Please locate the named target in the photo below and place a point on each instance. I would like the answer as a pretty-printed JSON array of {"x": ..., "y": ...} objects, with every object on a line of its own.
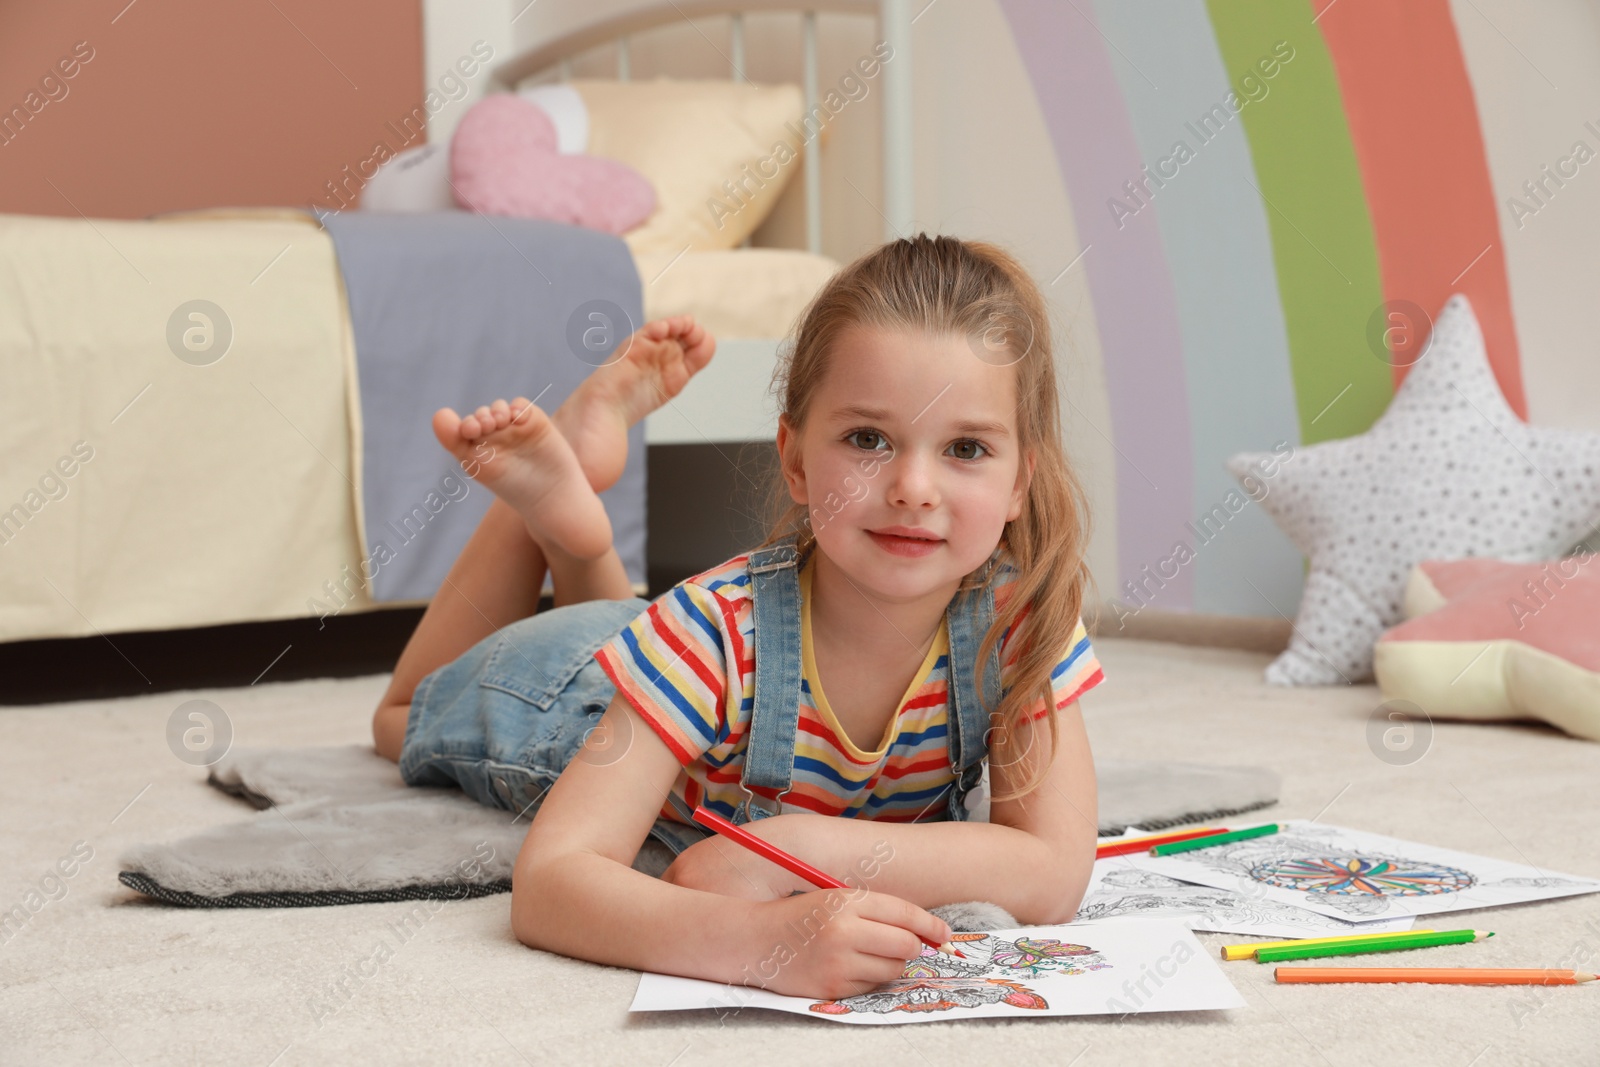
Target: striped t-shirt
[{"x": 687, "y": 664}]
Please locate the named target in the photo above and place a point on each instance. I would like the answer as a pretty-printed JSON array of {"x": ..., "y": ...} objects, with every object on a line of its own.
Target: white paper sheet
[
  {"x": 1119, "y": 891},
  {"x": 1355, "y": 875},
  {"x": 1113, "y": 968}
]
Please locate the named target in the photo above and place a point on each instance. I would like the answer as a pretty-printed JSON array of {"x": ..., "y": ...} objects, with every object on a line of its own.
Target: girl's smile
[{"x": 910, "y": 541}]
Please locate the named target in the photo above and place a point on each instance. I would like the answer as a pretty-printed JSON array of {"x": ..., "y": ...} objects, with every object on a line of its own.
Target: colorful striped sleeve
[
  {"x": 1076, "y": 671},
  {"x": 670, "y": 663}
]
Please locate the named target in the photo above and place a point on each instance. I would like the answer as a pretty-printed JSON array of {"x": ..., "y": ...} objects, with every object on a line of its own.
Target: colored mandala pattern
[
  {"x": 1362, "y": 876},
  {"x": 936, "y": 982}
]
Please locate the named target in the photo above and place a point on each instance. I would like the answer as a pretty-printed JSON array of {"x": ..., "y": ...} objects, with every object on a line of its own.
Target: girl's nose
[{"x": 912, "y": 481}]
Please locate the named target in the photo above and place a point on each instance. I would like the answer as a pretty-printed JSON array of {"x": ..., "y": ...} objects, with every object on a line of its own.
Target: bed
[{"x": 221, "y": 416}]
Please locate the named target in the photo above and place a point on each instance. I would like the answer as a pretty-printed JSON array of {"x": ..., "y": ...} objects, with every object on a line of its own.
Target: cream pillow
[
  {"x": 748, "y": 292},
  {"x": 689, "y": 138},
  {"x": 1486, "y": 639}
]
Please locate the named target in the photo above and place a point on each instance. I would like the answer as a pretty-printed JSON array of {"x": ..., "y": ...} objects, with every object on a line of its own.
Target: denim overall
[
  {"x": 774, "y": 720},
  {"x": 503, "y": 720}
]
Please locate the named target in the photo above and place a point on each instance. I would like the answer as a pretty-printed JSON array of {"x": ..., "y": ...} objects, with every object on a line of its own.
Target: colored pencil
[
  {"x": 1393, "y": 943},
  {"x": 1439, "y": 975},
  {"x": 1128, "y": 845},
  {"x": 1215, "y": 839},
  {"x": 767, "y": 850},
  {"x": 1246, "y": 952}
]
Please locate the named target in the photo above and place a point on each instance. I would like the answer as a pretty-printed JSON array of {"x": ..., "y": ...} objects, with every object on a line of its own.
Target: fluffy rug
[{"x": 338, "y": 826}]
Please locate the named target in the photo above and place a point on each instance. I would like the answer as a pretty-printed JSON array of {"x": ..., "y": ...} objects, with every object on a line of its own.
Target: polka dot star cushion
[
  {"x": 1448, "y": 471},
  {"x": 1491, "y": 640}
]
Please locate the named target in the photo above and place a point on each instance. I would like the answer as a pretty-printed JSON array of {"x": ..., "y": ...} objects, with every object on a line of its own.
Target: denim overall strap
[
  {"x": 969, "y": 615},
  {"x": 775, "y": 716}
]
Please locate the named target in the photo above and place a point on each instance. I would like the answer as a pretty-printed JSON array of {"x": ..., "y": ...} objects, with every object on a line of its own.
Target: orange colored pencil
[{"x": 1438, "y": 975}]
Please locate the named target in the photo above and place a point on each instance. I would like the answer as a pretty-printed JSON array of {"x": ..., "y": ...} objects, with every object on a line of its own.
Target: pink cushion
[
  {"x": 1502, "y": 641},
  {"x": 503, "y": 161},
  {"x": 1553, "y": 606}
]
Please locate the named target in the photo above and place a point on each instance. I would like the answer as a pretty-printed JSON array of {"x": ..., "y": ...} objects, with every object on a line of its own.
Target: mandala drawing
[
  {"x": 1354, "y": 875},
  {"x": 937, "y": 982},
  {"x": 1354, "y": 881}
]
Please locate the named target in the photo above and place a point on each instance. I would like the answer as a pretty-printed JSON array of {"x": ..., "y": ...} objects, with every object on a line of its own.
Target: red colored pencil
[
  {"x": 1131, "y": 845},
  {"x": 799, "y": 867}
]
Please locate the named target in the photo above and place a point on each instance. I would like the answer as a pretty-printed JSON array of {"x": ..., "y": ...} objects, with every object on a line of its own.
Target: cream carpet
[{"x": 100, "y": 975}]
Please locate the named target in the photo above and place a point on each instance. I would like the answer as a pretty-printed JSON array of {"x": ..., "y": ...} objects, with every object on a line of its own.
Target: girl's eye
[
  {"x": 967, "y": 448},
  {"x": 867, "y": 440}
]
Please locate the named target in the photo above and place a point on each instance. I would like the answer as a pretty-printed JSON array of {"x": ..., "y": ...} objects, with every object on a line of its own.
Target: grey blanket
[
  {"x": 452, "y": 310},
  {"x": 340, "y": 827}
]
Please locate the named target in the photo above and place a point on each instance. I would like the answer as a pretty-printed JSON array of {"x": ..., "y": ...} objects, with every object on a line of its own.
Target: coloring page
[
  {"x": 1078, "y": 969},
  {"x": 1118, "y": 890},
  {"x": 1355, "y": 875}
]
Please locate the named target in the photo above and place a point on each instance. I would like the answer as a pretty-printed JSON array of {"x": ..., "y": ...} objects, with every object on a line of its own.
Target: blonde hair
[{"x": 947, "y": 285}]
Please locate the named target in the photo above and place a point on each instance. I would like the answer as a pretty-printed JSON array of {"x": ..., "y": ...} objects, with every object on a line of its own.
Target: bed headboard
[{"x": 894, "y": 20}]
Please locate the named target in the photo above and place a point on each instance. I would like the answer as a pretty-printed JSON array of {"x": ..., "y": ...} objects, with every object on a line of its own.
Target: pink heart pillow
[{"x": 503, "y": 161}]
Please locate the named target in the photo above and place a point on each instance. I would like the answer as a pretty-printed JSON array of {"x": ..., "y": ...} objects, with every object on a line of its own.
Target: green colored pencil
[
  {"x": 1215, "y": 839},
  {"x": 1376, "y": 944}
]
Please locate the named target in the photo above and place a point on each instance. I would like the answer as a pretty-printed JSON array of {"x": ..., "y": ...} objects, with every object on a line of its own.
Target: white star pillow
[{"x": 1449, "y": 471}]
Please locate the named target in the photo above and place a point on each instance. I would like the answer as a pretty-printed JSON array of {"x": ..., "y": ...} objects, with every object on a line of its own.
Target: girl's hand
[{"x": 834, "y": 943}]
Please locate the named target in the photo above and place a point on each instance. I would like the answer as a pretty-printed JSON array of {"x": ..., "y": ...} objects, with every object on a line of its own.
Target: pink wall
[{"x": 197, "y": 103}]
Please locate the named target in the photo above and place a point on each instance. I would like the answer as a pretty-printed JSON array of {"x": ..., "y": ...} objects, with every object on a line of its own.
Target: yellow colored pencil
[{"x": 1245, "y": 952}]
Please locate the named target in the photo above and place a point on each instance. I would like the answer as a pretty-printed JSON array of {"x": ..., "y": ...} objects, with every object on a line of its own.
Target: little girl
[{"x": 926, "y": 574}]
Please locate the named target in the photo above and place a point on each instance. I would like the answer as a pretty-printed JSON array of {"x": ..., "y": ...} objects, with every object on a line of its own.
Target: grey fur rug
[{"x": 338, "y": 826}]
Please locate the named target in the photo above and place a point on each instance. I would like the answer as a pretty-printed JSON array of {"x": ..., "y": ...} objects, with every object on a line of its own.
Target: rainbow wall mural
[{"x": 1260, "y": 250}]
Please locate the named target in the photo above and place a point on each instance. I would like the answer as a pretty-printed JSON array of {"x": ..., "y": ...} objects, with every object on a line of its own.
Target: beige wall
[{"x": 1534, "y": 103}]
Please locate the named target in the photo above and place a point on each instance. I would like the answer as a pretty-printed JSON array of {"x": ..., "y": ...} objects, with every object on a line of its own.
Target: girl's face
[{"x": 909, "y": 464}]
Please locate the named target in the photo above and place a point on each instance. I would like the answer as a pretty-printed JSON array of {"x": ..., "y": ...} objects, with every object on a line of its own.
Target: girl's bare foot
[
  {"x": 659, "y": 359},
  {"x": 517, "y": 452}
]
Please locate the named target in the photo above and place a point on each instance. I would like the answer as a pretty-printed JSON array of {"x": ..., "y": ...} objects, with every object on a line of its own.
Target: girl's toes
[
  {"x": 447, "y": 427},
  {"x": 502, "y": 413}
]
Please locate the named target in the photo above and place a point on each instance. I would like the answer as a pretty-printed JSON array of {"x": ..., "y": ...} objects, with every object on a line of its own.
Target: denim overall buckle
[{"x": 763, "y": 806}]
